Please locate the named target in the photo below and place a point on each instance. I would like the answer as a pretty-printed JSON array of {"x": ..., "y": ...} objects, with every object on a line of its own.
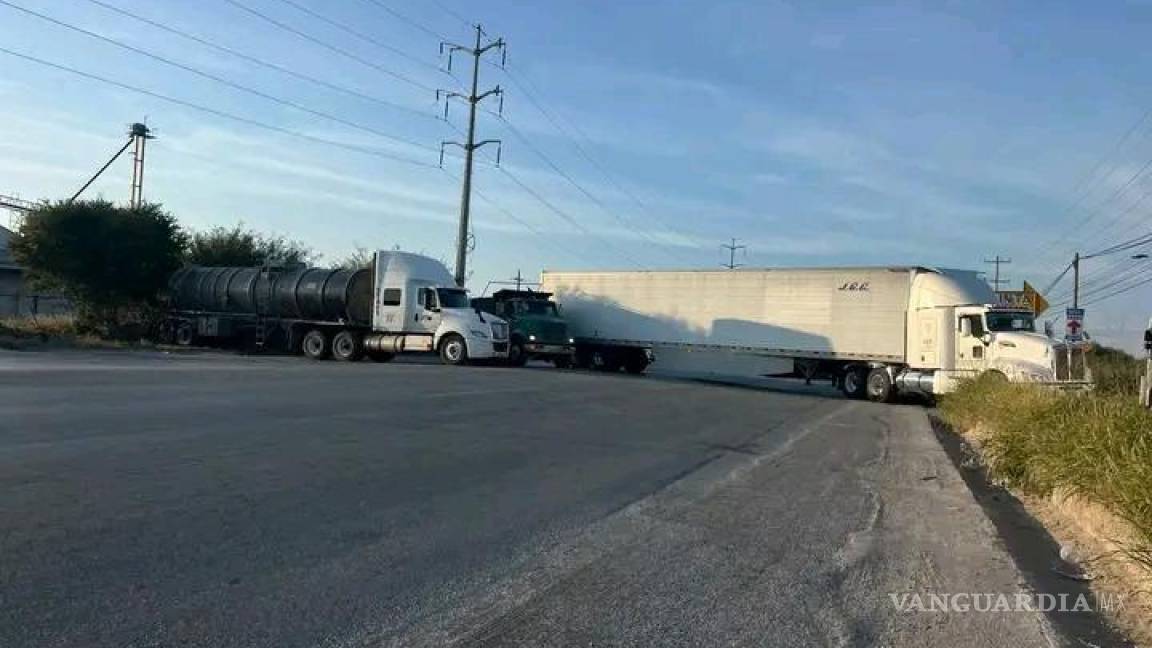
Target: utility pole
[
  {"x": 996, "y": 281},
  {"x": 140, "y": 134},
  {"x": 1076, "y": 281},
  {"x": 732, "y": 247},
  {"x": 470, "y": 144}
]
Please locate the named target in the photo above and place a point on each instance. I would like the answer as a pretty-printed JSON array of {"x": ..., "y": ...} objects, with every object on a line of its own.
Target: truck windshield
[
  {"x": 1011, "y": 322},
  {"x": 535, "y": 307},
  {"x": 453, "y": 298}
]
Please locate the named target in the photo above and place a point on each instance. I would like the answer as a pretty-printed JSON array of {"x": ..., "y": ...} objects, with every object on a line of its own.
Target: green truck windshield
[{"x": 535, "y": 308}]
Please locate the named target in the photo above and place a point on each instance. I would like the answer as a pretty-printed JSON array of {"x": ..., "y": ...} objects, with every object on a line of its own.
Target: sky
[{"x": 635, "y": 134}]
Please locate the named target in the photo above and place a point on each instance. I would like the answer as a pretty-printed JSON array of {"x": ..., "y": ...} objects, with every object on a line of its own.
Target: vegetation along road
[{"x": 211, "y": 499}]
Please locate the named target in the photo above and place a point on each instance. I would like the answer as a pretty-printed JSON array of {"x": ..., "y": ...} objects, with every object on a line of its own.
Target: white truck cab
[{"x": 418, "y": 307}]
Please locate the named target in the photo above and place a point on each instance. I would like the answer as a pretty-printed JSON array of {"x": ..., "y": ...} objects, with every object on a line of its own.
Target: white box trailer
[{"x": 875, "y": 330}]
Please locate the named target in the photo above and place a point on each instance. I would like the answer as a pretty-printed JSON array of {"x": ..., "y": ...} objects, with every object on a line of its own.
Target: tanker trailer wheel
[
  {"x": 347, "y": 346},
  {"x": 315, "y": 345},
  {"x": 854, "y": 383},
  {"x": 879, "y": 386},
  {"x": 185, "y": 335},
  {"x": 453, "y": 350}
]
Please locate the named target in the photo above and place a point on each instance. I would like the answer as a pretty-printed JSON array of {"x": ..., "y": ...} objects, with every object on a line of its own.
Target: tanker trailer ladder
[{"x": 261, "y": 333}]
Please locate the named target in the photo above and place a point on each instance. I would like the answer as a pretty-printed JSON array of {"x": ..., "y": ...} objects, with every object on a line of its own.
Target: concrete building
[{"x": 16, "y": 297}]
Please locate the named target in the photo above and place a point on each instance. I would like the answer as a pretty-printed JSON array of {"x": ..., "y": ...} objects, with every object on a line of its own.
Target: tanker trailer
[{"x": 403, "y": 303}]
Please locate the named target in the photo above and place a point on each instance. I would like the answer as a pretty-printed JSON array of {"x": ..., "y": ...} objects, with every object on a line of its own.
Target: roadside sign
[
  {"x": 1074, "y": 324},
  {"x": 1039, "y": 304},
  {"x": 1028, "y": 298}
]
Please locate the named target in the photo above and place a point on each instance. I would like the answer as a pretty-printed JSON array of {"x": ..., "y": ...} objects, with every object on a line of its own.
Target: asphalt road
[{"x": 214, "y": 500}]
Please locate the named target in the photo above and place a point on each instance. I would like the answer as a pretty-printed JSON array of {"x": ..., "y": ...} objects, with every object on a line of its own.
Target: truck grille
[
  {"x": 499, "y": 331},
  {"x": 555, "y": 332},
  {"x": 1070, "y": 363}
]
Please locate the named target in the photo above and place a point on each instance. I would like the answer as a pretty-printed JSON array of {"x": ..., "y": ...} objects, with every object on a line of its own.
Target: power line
[
  {"x": 516, "y": 219},
  {"x": 563, "y": 215},
  {"x": 448, "y": 10},
  {"x": 574, "y": 133},
  {"x": 218, "y": 79},
  {"x": 1086, "y": 180},
  {"x": 358, "y": 34},
  {"x": 219, "y": 113},
  {"x": 263, "y": 63},
  {"x": 326, "y": 45},
  {"x": 579, "y": 187},
  {"x": 410, "y": 22}
]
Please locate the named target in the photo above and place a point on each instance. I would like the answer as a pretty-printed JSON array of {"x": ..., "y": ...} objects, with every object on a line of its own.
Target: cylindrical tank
[{"x": 320, "y": 294}]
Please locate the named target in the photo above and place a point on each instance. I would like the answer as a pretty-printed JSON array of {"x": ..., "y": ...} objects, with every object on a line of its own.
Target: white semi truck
[
  {"x": 876, "y": 331},
  {"x": 403, "y": 303}
]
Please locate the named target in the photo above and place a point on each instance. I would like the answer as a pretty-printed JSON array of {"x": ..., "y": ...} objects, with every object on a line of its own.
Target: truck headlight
[
  {"x": 479, "y": 333},
  {"x": 531, "y": 338},
  {"x": 571, "y": 340}
]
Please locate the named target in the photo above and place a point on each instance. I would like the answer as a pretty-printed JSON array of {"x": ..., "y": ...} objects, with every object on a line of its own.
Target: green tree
[
  {"x": 239, "y": 246},
  {"x": 102, "y": 256},
  {"x": 359, "y": 258}
]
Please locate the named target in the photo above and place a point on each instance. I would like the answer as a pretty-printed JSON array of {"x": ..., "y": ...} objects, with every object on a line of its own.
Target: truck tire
[
  {"x": 605, "y": 361},
  {"x": 348, "y": 346},
  {"x": 854, "y": 383},
  {"x": 453, "y": 350},
  {"x": 879, "y": 386},
  {"x": 635, "y": 362},
  {"x": 185, "y": 335},
  {"x": 315, "y": 345},
  {"x": 517, "y": 356}
]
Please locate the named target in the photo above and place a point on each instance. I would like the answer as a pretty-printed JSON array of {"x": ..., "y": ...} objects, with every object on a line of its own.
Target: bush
[
  {"x": 236, "y": 246},
  {"x": 1094, "y": 445},
  {"x": 107, "y": 259}
]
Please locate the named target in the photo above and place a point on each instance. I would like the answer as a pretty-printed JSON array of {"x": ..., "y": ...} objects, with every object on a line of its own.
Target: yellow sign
[{"x": 1039, "y": 304}]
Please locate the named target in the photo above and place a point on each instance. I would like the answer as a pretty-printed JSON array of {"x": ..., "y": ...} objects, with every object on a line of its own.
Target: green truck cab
[{"x": 538, "y": 330}]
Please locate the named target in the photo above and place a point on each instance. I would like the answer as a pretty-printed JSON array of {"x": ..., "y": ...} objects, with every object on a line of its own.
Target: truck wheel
[
  {"x": 605, "y": 361},
  {"x": 880, "y": 386},
  {"x": 453, "y": 350},
  {"x": 184, "y": 336},
  {"x": 854, "y": 383},
  {"x": 315, "y": 345},
  {"x": 348, "y": 346},
  {"x": 635, "y": 363},
  {"x": 517, "y": 357}
]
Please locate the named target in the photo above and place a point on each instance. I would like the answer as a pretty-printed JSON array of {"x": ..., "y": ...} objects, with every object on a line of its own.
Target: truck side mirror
[{"x": 986, "y": 339}]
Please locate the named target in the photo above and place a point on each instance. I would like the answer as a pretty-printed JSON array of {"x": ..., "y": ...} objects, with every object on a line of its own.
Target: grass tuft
[{"x": 1097, "y": 445}]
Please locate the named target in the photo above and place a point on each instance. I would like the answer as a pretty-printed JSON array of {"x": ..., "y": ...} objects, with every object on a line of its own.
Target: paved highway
[{"x": 215, "y": 500}]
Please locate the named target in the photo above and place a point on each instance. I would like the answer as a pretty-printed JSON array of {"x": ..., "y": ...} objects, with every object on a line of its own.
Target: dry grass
[
  {"x": 60, "y": 331},
  {"x": 1096, "y": 446}
]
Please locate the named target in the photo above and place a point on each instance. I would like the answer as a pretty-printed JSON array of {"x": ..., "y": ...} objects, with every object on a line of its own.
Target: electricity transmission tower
[
  {"x": 996, "y": 281},
  {"x": 732, "y": 247},
  {"x": 473, "y": 99}
]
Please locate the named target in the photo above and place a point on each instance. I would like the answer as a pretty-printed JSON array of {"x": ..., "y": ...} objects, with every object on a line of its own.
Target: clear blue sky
[{"x": 817, "y": 133}]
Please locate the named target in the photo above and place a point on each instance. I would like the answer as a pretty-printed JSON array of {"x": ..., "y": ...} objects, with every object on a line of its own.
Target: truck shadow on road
[{"x": 1034, "y": 550}]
